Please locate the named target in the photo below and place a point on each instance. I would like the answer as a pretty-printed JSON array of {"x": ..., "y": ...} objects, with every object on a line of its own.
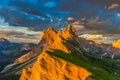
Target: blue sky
[{"x": 32, "y": 16}]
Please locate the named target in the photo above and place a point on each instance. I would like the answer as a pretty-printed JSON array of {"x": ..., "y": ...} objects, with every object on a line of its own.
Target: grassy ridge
[{"x": 99, "y": 68}]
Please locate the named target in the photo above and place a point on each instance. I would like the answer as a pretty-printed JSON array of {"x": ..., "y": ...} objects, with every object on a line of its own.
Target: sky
[{"x": 24, "y": 20}]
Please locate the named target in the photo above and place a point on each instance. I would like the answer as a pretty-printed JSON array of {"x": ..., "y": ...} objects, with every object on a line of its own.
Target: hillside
[{"x": 64, "y": 59}]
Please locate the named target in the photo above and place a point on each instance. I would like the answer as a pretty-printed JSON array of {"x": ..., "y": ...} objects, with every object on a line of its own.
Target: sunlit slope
[
  {"x": 116, "y": 44},
  {"x": 64, "y": 59}
]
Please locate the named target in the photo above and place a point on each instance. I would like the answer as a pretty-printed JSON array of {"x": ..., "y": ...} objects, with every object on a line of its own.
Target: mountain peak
[
  {"x": 48, "y": 67},
  {"x": 56, "y": 39},
  {"x": 48, "y": 36},
  {"x": 68, "y": 33},
  {"x": 50, "y": 29}
]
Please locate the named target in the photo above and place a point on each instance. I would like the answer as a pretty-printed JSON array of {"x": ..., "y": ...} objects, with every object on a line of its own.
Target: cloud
[
  {"x": 78, "y": 23},
  {"x": 50, "y": 4},
  {"x": 18, "y": 33},
  {"x": 27, "y": 18},
  {"x": 98, "y": 25},
  {"x": 11, "y": 32},
  {"x": 96, "y": 37},
  {"x": 94, "y": 23},
  {"x": 113, "y": 6},
  {"x": 92, "y": 36},
  {"x": 83, "y": 19},
  {"x": 19, "y": 36},
  {"x": 70, "y": 18},
  {"x": 37, "y": 15}
]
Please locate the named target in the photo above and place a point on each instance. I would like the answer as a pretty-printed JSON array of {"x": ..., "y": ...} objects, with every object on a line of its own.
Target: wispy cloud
[
  {"x": 113, "y": 6},
  {"x": 26, "y": 19},
  {"x": 18, "y": 34}
]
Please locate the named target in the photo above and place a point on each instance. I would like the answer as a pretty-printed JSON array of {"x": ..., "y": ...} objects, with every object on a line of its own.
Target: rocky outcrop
[
  {"x": 48, "y": 67},
  {"x": 116, "y": 44},
  {"x": 4, "y": 43}
]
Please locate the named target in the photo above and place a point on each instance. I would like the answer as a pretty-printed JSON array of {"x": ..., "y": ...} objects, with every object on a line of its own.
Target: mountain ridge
[
  {"x": 46, "y": 61},
  {"x": 70, "y": 61},
  {"x": 66, "y": 49}
]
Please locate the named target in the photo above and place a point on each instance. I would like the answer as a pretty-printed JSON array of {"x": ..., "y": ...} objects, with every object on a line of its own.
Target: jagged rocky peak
[
  {"x": 50, "y": 29},
  {"x": 49, "y": 67},
  {"x": 48, "y": 36},
  {"x": 68, "y": 32},
  {"x": 56, "y": 38}
]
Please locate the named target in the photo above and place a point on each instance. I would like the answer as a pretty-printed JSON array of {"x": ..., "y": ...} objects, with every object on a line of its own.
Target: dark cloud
[
  {"x": 113, "y": 6},
  {"x": 40, "y": 14},
  {"x": 97, "y": 24},
  {"x": 104, "y": 2}
]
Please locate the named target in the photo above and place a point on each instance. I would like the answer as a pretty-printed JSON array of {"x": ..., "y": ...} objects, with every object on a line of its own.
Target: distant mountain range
[
  {"x": 11, "y": 51},
  {"x": 100, "y": 49},
  {"x": 62, "y": 55}
]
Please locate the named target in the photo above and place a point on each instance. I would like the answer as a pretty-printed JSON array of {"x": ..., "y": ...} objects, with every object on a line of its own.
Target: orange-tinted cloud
[
  {"x": 84, "y": 18},
  {"x": 113, "y": 6},
  {"x": 70, "y": 18},
  {"x": 76, "y": 23},
  {"x": 97, "y": 24},
  {"x": 20, "y": 36}
]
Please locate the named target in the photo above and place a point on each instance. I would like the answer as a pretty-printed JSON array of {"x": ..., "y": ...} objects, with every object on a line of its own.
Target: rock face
[
  {"x": 48, "y": 67},
  {"x": 116, "y": 44},
  {"x": 47, "y": 39},
  {"x": 51, "y": 68}
]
